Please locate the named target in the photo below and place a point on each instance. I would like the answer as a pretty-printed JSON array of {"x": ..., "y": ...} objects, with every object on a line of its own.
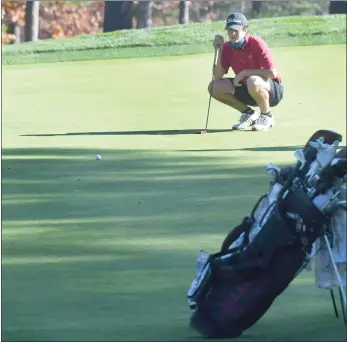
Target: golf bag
[{"x": 258, "y": 259}]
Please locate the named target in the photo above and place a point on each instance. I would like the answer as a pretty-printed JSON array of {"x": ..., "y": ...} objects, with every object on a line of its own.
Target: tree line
[
  {"x": 118, "y": 15},
  {"x": 32, "y": 20}
]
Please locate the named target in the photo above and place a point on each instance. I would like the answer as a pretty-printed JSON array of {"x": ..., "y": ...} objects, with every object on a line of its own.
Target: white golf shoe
[
  {"x": 246, "y": 121},
  {"x": 263, "y": 123}
]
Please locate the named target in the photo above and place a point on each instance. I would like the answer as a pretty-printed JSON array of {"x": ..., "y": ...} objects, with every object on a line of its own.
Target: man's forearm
[
  {"x": 218, "y": 71},
  {"x": 266, "y": 73}
]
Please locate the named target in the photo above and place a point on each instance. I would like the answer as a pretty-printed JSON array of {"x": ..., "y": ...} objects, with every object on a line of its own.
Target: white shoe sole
[
  {"x": 242, "y": 129},
  {"x": 235, "y": 127},
  {"x": 262, "y": 129}
]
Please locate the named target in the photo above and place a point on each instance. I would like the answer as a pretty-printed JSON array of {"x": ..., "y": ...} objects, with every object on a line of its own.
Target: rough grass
[{"x": 176, "y": 40}]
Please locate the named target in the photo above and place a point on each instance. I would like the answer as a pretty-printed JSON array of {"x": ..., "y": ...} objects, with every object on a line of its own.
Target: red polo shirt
[{"x": 254, "y": 55}]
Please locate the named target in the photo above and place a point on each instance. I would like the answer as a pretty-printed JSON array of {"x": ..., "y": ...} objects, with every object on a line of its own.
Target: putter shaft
[{"x": 209, "y": 102}]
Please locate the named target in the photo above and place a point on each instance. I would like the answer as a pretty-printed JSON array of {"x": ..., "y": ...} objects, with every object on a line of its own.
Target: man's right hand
[{"x": 218, "y": 41}]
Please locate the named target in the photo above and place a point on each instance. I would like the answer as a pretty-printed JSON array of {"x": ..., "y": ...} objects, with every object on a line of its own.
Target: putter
[{"x": 209, "y": 102}]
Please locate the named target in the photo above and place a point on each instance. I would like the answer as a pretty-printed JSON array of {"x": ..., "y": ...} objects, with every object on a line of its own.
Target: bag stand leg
[
  {"x": 337, "y": 274},
  {"x": 343, "y": 312},
  {"x": 335, "y": 307},
  {"x": 334, "y": 303}
]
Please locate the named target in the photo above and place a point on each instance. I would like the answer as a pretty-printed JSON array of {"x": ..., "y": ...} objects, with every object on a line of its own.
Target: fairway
[{"x": 106, "y": 250}]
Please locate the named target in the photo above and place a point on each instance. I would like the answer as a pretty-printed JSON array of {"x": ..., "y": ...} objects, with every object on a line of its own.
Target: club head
[
  {"x": 299, "y": 155},
  {"x": 201, "y": 132},
  {"x": 307, "y": 155}
]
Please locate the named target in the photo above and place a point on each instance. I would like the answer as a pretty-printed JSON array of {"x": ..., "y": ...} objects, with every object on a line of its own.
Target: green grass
[
  {"x": 105, "y": 250},
  {"x": 176, "y": 40}
]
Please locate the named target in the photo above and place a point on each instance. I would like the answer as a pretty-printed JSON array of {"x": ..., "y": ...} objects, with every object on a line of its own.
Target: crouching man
[{"x": 257, "y": 82}]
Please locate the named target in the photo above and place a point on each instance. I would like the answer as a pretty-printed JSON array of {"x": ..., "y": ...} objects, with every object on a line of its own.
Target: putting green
[{"x": 105, "y": 250}]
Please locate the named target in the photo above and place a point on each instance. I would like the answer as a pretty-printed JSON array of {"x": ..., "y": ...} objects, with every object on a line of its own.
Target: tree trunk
[
  {"x": 243, "y": 6},
  {"x": 196, "y": 11},
  {"x": 32, "y": 16},
  {"x": 145, "y": 14},
  {"x": 256, "y": 6},
  {"x": 118, "y": 15},
  {"x": 184, "y": 12},
  {"x": 338, "y": 7},
  {"x": 15, "y": 29}
]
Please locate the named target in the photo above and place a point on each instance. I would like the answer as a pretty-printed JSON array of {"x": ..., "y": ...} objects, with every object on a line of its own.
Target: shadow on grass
[
  {"x": 105, "y": 250},
  {"x": 149, "y": 132},
  {"x": 261, "y": 148},
  {"x": 58, "y": 184},
  {"x": 114, "y": 259},
  {"x": 128, "y": 294}
]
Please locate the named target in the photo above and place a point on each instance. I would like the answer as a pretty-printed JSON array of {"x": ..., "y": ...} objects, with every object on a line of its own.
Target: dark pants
[{"x": 276, "y": 93}]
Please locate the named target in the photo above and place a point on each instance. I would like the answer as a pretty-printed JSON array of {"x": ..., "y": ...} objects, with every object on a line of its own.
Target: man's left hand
[{"x": 238, "y": 78}]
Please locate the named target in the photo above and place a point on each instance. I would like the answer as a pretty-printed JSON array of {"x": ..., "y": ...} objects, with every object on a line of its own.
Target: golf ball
[{"x": 98, "y": 157}]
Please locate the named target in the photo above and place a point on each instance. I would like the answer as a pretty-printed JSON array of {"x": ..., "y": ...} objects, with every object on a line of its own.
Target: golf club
[{"x": 209, "y": 102}]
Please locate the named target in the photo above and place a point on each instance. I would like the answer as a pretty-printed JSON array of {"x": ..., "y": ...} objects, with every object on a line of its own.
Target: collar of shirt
[{"x": 244, "y": 45}]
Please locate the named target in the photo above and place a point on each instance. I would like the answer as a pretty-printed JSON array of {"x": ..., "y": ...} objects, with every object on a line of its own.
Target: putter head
[{"x": 202, "y": 132}]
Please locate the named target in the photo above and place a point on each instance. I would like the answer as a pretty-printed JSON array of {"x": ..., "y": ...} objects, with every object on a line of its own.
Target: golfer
[{"x": 257, "y": 82}]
